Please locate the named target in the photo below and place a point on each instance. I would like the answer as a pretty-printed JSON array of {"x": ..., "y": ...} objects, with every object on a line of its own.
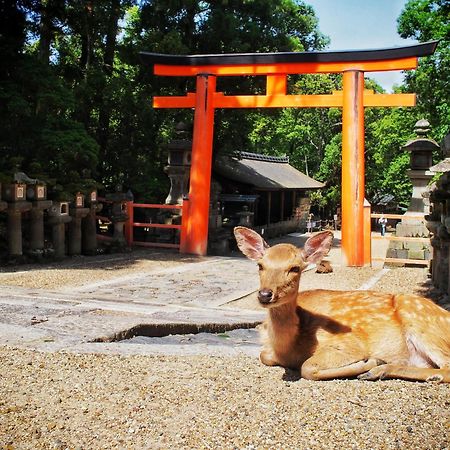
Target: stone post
[
  {"x": 14, "y": 194},
  {"x": 118, "y": 217},
  {"x": 77, "y": 212},
  {"x": 58, "y": 218},
  {"x": 37, "y": 194},
  {"x": 178, "y": 167},
  {"x": 438, "y": 221},
  {"x": 89, "y": 225}
]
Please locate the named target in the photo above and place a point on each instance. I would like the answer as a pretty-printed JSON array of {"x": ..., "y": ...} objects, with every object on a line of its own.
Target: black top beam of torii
[{"x": 416, "y": 50}]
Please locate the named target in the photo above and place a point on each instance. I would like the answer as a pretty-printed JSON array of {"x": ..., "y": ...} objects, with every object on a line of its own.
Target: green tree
[
  {"x": 300, "y": 133},
  {"x": 76, "y": 100},
  {"x": 427, "y": 20},
  {"x": 37, "y": 133}
]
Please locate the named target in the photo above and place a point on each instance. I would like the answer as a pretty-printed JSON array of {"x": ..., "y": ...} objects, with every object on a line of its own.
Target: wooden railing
[
  {"x": 131, "y": 224},
  {"x": 402, "y": 217}
]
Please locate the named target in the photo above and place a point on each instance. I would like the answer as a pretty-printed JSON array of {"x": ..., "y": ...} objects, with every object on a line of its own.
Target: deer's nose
[{"x": 265, "y": 296}]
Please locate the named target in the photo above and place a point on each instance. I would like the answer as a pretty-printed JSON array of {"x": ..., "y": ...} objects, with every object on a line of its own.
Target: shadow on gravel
[
  {"x": 117, "y": 261},
  {"x": 426, "y": 289},
  {"x": 111, "y": 261},
  {"x": 291, "y": 375}
]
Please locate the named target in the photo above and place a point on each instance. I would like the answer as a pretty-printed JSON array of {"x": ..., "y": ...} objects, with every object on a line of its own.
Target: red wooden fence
[{"x": 130, "y": 224}]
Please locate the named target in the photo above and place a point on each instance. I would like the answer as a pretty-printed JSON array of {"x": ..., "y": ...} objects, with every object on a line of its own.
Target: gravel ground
[
  {"x": 94, "y": 401},
  {"x": 81, "y": 270},
  {"x": 398, "y": 280}
]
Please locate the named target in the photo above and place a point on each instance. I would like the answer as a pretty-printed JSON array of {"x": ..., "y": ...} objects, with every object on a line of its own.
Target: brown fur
[{"x": 331, "y": 334}]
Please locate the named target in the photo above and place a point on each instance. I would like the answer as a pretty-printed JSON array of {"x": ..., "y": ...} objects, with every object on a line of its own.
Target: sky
[{"x": 363, "y": 24}]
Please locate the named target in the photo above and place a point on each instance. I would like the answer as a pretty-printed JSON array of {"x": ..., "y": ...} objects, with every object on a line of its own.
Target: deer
[{"x": 327, "y": 334}]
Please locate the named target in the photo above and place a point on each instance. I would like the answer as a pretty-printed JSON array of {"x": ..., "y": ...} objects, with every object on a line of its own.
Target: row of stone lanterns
[{"x": 20, "y": 198}]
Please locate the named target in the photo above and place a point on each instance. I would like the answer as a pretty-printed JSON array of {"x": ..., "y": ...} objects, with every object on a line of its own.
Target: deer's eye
[
  {"x": 294, "y": 269},
  {"x": 260, "y": 267}
]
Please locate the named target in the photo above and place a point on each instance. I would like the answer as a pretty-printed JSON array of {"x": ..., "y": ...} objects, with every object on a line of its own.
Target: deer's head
[{"x": 280, "y": 266}]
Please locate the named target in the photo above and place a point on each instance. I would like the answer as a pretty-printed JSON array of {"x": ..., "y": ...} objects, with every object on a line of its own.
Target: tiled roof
[{"x": 264, "y": 172}]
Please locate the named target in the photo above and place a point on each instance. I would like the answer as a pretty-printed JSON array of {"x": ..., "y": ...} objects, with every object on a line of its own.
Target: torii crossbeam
[{"x": 276, "y": 66}]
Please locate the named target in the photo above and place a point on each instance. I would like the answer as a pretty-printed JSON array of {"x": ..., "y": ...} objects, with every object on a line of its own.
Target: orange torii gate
[{"x": 276, "y": 66}]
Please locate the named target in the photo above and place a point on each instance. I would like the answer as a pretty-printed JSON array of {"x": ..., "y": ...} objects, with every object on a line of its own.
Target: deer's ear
[
  {"x": 250, "y": 243},
  {"x": 317, "y": 246}
]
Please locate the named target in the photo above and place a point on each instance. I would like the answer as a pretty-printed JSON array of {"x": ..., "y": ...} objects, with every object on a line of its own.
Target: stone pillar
[
  {"x": 58, "y": 217},
  {"x": 37, "y": 225},
  {"x": 89, "y": 225},
  {"x": 178, "y": 167},
  {"x": 218, "y": 236},
  {"x": 118, "y": 217},
  {"x": 438, "y": 221},
  {"x": 77, "y": 212},
  {"x": 37, "y": 194},
  {"x": 15, "y": 195},
  {"x": 15, "y": 211}
]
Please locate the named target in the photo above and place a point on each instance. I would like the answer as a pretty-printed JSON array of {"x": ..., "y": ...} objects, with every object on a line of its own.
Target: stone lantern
[
  {"x": 421, "y": 149},
  {"x": 58, "y": 216},
  {"x": 89, "y": 224},
  {"x": 37, "y": 194},
  {"x": 15, "y": 195},
  {"x": 77, "y": 212},
  {"x": 179, "y": 163},
  {"x": 14, "y": 192},
  {"x": 119, "y": 215}
]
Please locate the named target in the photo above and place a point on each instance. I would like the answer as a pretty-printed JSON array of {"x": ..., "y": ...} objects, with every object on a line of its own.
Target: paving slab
[
  {"x": 79, "y": 318},
  {"x": 208, "y": 283}
]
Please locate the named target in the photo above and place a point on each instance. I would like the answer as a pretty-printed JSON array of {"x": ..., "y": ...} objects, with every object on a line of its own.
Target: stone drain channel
[
  {"x": 216, "y": 338},
  {"x": 226, "y": 342}
]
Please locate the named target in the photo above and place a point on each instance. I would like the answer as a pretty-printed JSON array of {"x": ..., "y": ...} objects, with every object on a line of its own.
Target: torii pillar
[
  {"x": 276, "y": 66},
  {"x": 353, "y": 180}
]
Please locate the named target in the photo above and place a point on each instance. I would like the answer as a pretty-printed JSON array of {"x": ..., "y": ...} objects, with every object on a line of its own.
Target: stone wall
[
  {"x": 409, "y": 250},
  {"x": 438, "y": 221}
]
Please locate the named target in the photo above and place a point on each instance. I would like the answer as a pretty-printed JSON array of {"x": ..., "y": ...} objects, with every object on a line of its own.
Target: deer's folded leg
[
  {"x": 327, "y": 365},
  {"x": 407, "y": 373},
  {"x": 268, "y": 358}
]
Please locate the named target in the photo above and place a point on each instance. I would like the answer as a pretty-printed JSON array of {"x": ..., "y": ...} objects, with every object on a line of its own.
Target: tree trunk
[
  {"x": 108, "y": 66},
  {"x": 45, "y": 33},
  {"x": 86, "y": 37}
]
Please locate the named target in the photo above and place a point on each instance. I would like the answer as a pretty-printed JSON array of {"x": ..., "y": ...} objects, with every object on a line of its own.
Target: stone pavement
[{"x": 188, "y": 298}]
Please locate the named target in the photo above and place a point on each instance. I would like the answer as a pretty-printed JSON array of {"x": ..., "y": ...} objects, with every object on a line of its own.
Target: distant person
[
  {"x": 382, "y": 221},
  {"x": 310, "y": 223}
]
